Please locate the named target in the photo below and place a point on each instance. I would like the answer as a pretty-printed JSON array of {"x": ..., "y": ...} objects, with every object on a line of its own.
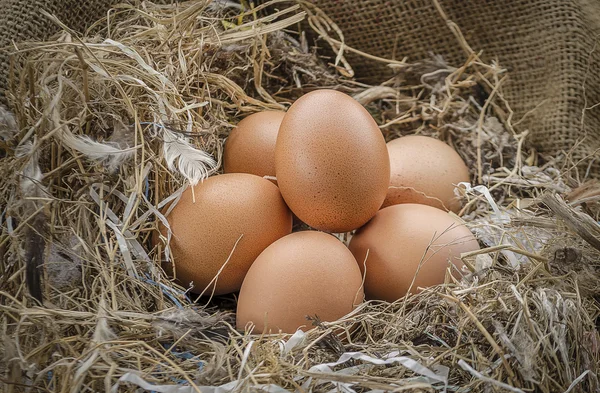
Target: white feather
[
  {"x": 218, "y": 5},
  {"x": 180, "y": 155},
  {"x": 8, "y": 125},
  {"x": 107, "y": 152},
  {"x": 195, "y": 165},
  {"x": 24, "y": 149},
  {"x": 31, "y": 176}
]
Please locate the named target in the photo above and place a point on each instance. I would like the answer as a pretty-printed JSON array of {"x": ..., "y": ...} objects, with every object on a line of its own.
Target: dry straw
[{"x": 110, "y": 125}]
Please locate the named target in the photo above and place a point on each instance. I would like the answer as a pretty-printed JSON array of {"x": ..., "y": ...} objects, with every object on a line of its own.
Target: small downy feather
[
  {"x": 195, "y": 165},
  {"x": 219, "y": 5},
  {"x": 31, "y": 176},
  {"x": 8, "y": 125},
  {"x": 108, "y": 153}
]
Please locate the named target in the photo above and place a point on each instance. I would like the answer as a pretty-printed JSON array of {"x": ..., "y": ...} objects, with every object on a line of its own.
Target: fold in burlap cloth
[{"x": 548, "y": 47}]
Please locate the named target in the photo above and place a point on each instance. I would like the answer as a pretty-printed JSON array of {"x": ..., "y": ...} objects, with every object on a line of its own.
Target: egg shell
[
  {"x": 404, "y": 239},
  {"x": 424, "y": 170},
  {"x": 331, "y": 162},
  {"x": 305, "y": 273},
  {"x": 227, "y": 208},
  {"x": 250, "y": 147}
]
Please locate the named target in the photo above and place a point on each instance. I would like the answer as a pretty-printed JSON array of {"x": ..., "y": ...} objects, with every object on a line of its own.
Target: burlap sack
[
  {"x": 21, "y": 20},
  {"x": 547, "y": 45}
]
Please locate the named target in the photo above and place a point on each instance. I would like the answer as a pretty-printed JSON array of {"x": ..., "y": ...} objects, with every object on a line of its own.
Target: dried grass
[{"x": 112, "y": 124}]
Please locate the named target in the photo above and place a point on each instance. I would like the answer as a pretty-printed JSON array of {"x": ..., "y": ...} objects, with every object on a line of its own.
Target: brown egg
[
  {"x": 404, "y": 239},
  {"x": 306, "y": 273},
  {"x": 227, "y": 208},
  {"x": 250, "y": 147},
  {"x": 424, "y": 170},
  {"x": 331, "y": 162}
]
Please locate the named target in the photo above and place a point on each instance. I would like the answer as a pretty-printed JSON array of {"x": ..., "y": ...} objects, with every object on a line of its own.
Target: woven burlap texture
[
  {"x": 22, "y": 20},
  {"x": 548, "y": 46}
]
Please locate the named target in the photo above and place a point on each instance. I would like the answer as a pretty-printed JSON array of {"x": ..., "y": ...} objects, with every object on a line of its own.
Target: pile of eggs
[{"x": 325, "y": 162}]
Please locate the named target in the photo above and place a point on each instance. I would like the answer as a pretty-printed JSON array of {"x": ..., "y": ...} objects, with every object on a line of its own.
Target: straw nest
[{"x": 109, "y": 126}]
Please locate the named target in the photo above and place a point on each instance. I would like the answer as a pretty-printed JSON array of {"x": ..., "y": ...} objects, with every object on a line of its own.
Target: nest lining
[{"x": 109, "y": 126}]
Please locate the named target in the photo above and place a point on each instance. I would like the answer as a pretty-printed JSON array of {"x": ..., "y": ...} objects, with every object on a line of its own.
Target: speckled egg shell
[
  {"x": 331, "y": 162},
  {"x": 250, "y": 147},
  {"x": 404, "y": 239},
  {"x": 424, "y": 170},
  {"x": 306, "y": 273},
  {"x": 227, "y": 208}
]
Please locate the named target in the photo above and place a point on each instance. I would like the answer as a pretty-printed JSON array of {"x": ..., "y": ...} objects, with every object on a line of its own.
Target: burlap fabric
[
  {"x": 21, "y": 20},
  {"x": 547, "y": 45}
]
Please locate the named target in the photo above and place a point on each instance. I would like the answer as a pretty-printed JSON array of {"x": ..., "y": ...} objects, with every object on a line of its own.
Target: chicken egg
[
  {"x": 409, "y": 246},
  {"x": 220, "y": 226},
  {"x": 424, "y": 170},
  {"x": 307, "y": 273},
  {"x": 250, "y": 147},
  {"x": 331, "y": 162}
]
